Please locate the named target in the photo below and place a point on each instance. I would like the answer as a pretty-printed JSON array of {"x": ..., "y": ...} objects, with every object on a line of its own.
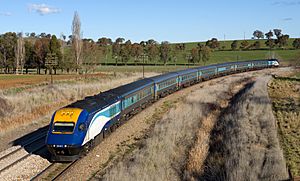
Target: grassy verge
[
  {"x": 22, "y": 106},
  {"x": 125, "y": 148},
  {"x": 286, "y": 106},
  {"x": 244, "y": 143}
]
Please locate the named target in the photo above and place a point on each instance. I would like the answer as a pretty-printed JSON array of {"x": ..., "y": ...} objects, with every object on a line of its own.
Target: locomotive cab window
[
  {"x": 113, "y": 110},
  {"x": 63, "y": 127}
]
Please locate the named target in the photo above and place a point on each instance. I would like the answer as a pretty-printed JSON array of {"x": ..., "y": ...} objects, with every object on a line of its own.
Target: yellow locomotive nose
[{"x": 65, "y": 120}]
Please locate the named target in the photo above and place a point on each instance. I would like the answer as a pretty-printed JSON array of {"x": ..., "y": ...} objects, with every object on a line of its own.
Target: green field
[
  {"x": 288, "y": 55},
  {"x": 13, "y": 76}
]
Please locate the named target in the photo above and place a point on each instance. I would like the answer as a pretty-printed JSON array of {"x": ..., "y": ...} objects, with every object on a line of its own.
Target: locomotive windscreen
[{"x": 63, "y": 127}]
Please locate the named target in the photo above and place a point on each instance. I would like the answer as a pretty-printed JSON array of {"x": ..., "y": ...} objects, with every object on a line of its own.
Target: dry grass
[
  {"x": 161, "y": 158},
  {"x": 22, "y": 107},
  {"x": 285, "y": 95},
  {"x": 244, "y": 143},
  {"x": 165, "y": 152},
  {"x": 198, "y": 153}
]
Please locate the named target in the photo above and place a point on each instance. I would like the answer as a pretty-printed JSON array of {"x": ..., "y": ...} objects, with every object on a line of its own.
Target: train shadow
[{"x": 34, "y": 142}]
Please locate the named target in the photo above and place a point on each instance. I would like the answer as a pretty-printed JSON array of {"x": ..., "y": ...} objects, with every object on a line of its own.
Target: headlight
[{"x": 82, "y": 127}]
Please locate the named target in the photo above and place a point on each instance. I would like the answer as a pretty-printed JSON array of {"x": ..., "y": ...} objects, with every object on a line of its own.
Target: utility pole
[
  {"x": 144, "y": 56},
  {"x": 51, "y": 62},
  {"x": 224, "y": 40}
]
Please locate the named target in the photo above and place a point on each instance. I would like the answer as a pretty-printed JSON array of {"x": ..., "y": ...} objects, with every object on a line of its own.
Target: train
[{"x": 75, "y": 129}]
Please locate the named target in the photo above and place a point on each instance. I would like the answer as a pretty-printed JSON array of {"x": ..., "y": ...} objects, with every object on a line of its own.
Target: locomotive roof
[
  {"x": 163, "y": 77},
  {"x": 96, "y": 102},
  {"x": 132, "y": 87}
]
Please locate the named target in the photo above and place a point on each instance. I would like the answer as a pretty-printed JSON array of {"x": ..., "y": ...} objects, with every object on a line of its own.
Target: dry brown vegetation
[
  {"x": 200, "y": 148},
  {"x": 22, "y": 107},
  {"x": 244, "y": 142},
  {"x": 12, "y": 81},
  {"x": 164, "y": 153},
  {"x": 285, "y": 95}
]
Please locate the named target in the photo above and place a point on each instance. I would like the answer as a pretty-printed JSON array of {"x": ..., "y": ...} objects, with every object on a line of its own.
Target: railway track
[
  {"x": 54, "y": 171},
  {"x": 29, "y": 142},
  {"x": 31, "y": 146}
]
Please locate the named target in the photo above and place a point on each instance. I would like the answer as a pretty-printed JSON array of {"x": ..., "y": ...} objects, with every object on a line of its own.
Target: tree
[
  {"x": 244, "y": 44},
  {"x": 194, "y": 56},
  {"x": 136, "y": 51},
  {"x": 32, "y": 35},
  {"x": 152, "y": 50},
  {"x": 8, "y": 42},
  {"x": 213, "y": 43},
  {"x": 165, "y": 50},
  {"x": 234, "y": 45},
  {"x": 296, "y": 43},
  {"x": 282, "y": 40},
  {"x": 62, "y": 63},
  {"x": 203, "y": 53},
  {"x": 38, "y": 51},
  {"x": 269, "y": 35},
  {"x": 55, "y": 49},
  {"x": 20, "y": 54},
  {"x": 258, "y": 34},
  {"x": 116, "y": 49},
  {"x": 89, "y": 54},
  {"x": 104, "y": 44},
  {"x": 270, "y": 43},
  {"x": 120, "y": 40},
  {"x": 206, "y": 51},
  {"x": 29, "y": 56},
  {"x": 76, "y": 39},
  {"x": 277, "y": 32},
  {"x": 125, "y": 51},
  {"x": 43, "y": 35},
  {"x": 256, "y": 45},
  {"x": 180, "y": 47}
]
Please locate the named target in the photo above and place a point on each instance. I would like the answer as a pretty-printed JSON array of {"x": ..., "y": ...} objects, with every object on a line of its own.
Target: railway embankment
[
  {"x": 165, "y": 152},
  {"x": 244, "y": 141}
]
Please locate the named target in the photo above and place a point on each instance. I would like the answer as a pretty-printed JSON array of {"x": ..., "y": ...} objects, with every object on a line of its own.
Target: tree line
[{"x": 19, "y": 53}]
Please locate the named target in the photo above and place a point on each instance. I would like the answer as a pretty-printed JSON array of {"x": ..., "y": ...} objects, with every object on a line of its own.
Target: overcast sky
[{"x": 171, "y": 20}]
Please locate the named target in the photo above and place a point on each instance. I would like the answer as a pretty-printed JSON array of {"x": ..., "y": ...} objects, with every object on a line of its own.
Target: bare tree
[
  {"x": 76, "y": 39},
  {"x": 20, "y": 54}
]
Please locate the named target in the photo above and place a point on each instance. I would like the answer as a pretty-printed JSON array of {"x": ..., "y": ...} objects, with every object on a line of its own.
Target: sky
[{"x": 162, "y": 20}]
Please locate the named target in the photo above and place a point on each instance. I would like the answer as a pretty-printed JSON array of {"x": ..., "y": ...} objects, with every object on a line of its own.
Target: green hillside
[{"x": 288, "y": 55}]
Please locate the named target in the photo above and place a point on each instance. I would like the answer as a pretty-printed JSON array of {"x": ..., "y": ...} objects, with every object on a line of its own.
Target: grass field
[
  {"x": 288, "y": 54},
  {"x": 224, "y": 56},
  {"x": 227, "y": 43},
  {"x": 286, "y": 106}
]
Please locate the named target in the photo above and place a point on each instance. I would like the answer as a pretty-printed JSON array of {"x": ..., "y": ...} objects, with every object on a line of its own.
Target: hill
[{"x": 288, "y": 55}]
